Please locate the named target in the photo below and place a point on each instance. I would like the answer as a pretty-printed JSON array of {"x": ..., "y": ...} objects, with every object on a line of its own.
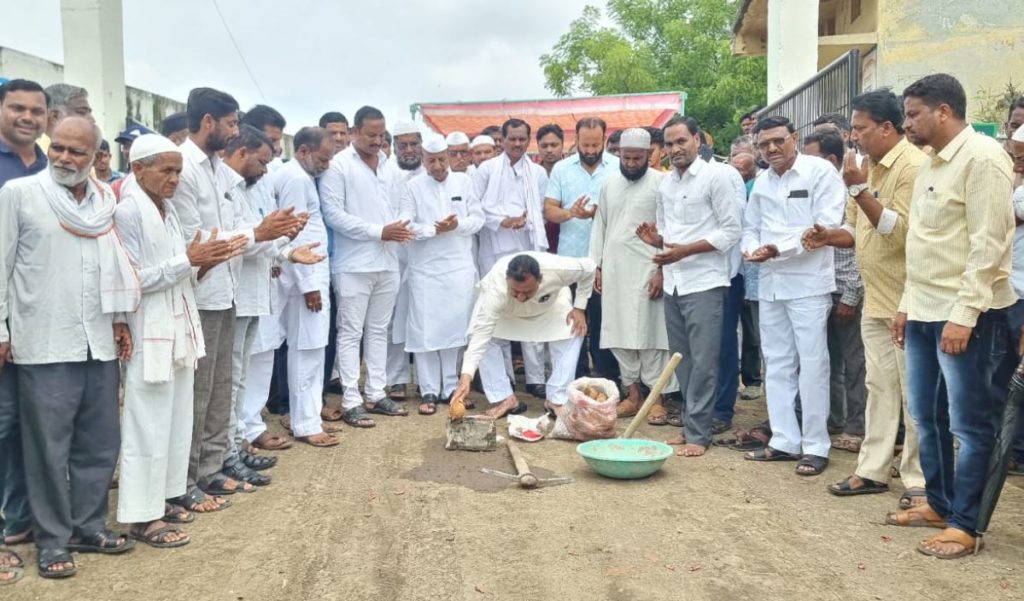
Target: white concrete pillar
[
  {"x": 792, "y": 45},
  {"x": 94, "y": 58}
]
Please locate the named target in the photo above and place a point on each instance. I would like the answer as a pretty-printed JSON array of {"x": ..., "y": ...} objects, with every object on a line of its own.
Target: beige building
[{"x": 981, "y": 42}]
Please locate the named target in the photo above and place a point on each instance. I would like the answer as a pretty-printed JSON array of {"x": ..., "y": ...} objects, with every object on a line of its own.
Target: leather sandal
[
  {"x": 922, "y": 516},
  {"x": 970, "y": 544}
]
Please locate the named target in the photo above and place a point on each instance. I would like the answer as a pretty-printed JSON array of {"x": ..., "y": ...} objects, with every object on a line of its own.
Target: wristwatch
[{"x": 856, "y": 189}]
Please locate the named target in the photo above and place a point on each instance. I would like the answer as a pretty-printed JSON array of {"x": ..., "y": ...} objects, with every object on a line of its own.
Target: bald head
[
  {"x": 746, "y": 164},
  {"x": 73, "y": 146}
]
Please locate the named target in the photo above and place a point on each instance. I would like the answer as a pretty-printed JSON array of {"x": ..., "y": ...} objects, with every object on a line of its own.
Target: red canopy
[{"x": 619, "y": 112}]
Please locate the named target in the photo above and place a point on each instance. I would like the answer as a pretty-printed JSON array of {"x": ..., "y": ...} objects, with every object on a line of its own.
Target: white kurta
[
  {"x": 542, "y": 318},
  {"x": 156, "y": 429},
  {"x": 295, "y": 188},
  {"x": 632, "y": 320},
  {"x": 441, "y": 272},
  {"x": 507, "y": 190}
]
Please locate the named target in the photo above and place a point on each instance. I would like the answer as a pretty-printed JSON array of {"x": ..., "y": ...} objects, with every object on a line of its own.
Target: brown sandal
[
  {"x": 922, "y": 516},
  {"x": 969, "y": 543}
]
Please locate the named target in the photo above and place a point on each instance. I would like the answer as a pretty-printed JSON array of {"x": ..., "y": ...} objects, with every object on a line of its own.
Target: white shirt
[
  {"x": 780, "y": 210},
  {"x": 700, "y": 204},
  {"x": 50, "y": 289},
  {"x": 202, "y": 204},
  {"x": 426, "y": 201},
  {"x": 293, "y": 187},
  {"x": 508, "y": 190},
  {"x": 357, "y": 203},
  {"x": 254, "y": 290},
  {"x": 1017, "y": 275}
]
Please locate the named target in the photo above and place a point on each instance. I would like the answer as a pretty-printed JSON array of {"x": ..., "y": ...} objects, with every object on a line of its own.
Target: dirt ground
[{"x": 390, "y": 515}]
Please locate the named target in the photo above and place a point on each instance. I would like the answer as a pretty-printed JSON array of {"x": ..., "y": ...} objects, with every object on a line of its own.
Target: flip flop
[
  {"x": 191, "y": 500},
  {"x": 969, "y": 543},
  {"x": 922, "y": 516},
  {"x": 386, "y": 406}
]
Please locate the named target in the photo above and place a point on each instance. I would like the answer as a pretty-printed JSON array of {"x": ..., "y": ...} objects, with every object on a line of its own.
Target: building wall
[
  {"x": 145, "y": 107},
  {"x": 980, "y": 43}
]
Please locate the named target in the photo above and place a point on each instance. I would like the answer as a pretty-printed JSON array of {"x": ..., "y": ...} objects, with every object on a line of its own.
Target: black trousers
[{"x": 71, "y": 435}]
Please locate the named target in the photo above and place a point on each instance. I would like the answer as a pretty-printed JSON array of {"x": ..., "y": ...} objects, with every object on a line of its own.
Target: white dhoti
[
  {"x": 794, "y": 343},
  {"x": 365, "y": 305},
  {"x": 644, "y": 366},
  {"x": 437, "y": 372},
  {"x": 156, "y": 435},
  {"x": 307, "y": 339},
  {"x": 398, "y": 370}
]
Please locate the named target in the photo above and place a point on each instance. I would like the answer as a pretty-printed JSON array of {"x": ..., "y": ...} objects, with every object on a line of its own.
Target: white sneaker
[{"x": 750, "y": 393}]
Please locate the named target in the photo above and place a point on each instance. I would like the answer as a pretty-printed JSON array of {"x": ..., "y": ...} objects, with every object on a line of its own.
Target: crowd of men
[{"x": 870, "y": 263}]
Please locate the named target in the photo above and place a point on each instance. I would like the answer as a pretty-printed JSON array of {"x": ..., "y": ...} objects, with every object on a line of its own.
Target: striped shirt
[
  {"x": 959, "y": 244},
  {"x": 881, "y": 251}
]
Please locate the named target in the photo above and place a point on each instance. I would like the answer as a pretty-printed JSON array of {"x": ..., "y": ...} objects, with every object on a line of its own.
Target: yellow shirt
[
  {"x": 881, "y": 251},
  {"x": 959, "y": 245}
]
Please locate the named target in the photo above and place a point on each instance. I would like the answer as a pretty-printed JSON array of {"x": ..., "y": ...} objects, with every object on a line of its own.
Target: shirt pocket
[
  {"x": 798, "y": 212},
  {"x": 694, "y": 212},
  {"x": 929, "y": 210}
]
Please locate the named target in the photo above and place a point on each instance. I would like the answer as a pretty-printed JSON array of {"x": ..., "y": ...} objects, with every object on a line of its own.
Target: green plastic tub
[{"x": 624, "y": 458}]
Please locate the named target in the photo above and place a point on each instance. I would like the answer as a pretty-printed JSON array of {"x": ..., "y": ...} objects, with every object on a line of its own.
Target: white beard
[{"x": 68, "y": 178}]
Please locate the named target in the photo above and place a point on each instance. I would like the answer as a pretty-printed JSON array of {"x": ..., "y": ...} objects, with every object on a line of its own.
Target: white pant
[
  {"x": 644, "y": 366},
  {"x": 564, "y": 354},
  {"x": 535, "y": 356},
  {"x": 365, "y": 304},
  {"x": 257, "y": 389},
  {"x": 245, "y": 334},
  {"x": 437, "y": 372},
  {"x": 398, "y": 371},
  {"x": 795, "y": 348},
  {"x": 156, "y": 435},
  {"x": 305, "y": 374}
]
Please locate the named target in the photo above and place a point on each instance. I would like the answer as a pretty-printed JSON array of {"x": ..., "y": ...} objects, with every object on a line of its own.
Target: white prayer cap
[
  {"x": 481, "y": 140},
  {"x": 1018, "y": 136},
  {"x": 148, "y": 145},
  {"x": 457, "y": 138},
  {"x": 435, "y": 144},
  {"x": 635, "y": 138},
  {"x": 405, "y": 128}
]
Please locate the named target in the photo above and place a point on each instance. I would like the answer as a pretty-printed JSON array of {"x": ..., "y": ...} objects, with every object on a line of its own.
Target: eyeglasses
[
  {"x": 766, "y": 144},
  {"x": 458, "y": 153}
]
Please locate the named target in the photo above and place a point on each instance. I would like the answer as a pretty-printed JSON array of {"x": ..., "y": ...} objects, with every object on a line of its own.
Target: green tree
[{"x": 661, "y": 45}]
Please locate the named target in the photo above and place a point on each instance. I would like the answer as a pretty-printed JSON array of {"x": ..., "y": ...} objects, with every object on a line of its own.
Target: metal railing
[{"x": 830, "y": 91}]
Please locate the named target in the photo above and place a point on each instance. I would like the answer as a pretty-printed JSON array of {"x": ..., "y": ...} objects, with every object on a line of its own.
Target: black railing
[{"x": 830, "y": 91}]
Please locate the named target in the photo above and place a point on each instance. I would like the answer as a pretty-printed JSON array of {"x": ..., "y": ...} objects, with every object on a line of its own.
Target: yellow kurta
[{"x": 630, "y": 320}]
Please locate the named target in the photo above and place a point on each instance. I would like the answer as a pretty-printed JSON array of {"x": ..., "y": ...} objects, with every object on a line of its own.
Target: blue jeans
[
  {"x": 959, "y": 396},
  {"x": 1015, "y": 317},
  {"x": 729, "y": 355},
  {"x": 16, "y": 517}
]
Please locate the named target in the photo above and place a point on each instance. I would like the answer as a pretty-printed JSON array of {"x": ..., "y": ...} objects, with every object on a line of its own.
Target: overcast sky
[{"x": 311, "y": 56}]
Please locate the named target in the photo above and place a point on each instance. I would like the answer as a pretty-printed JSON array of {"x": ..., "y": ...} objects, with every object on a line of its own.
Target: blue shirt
[
  {"x": 568, "y": 181},
  {"x": 12, "y": 167}
]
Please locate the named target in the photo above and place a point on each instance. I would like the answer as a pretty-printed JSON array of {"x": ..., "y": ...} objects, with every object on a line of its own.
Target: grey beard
[
  {"x": 410, "y": 166},
  {"x": 68, "y": 177}
]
